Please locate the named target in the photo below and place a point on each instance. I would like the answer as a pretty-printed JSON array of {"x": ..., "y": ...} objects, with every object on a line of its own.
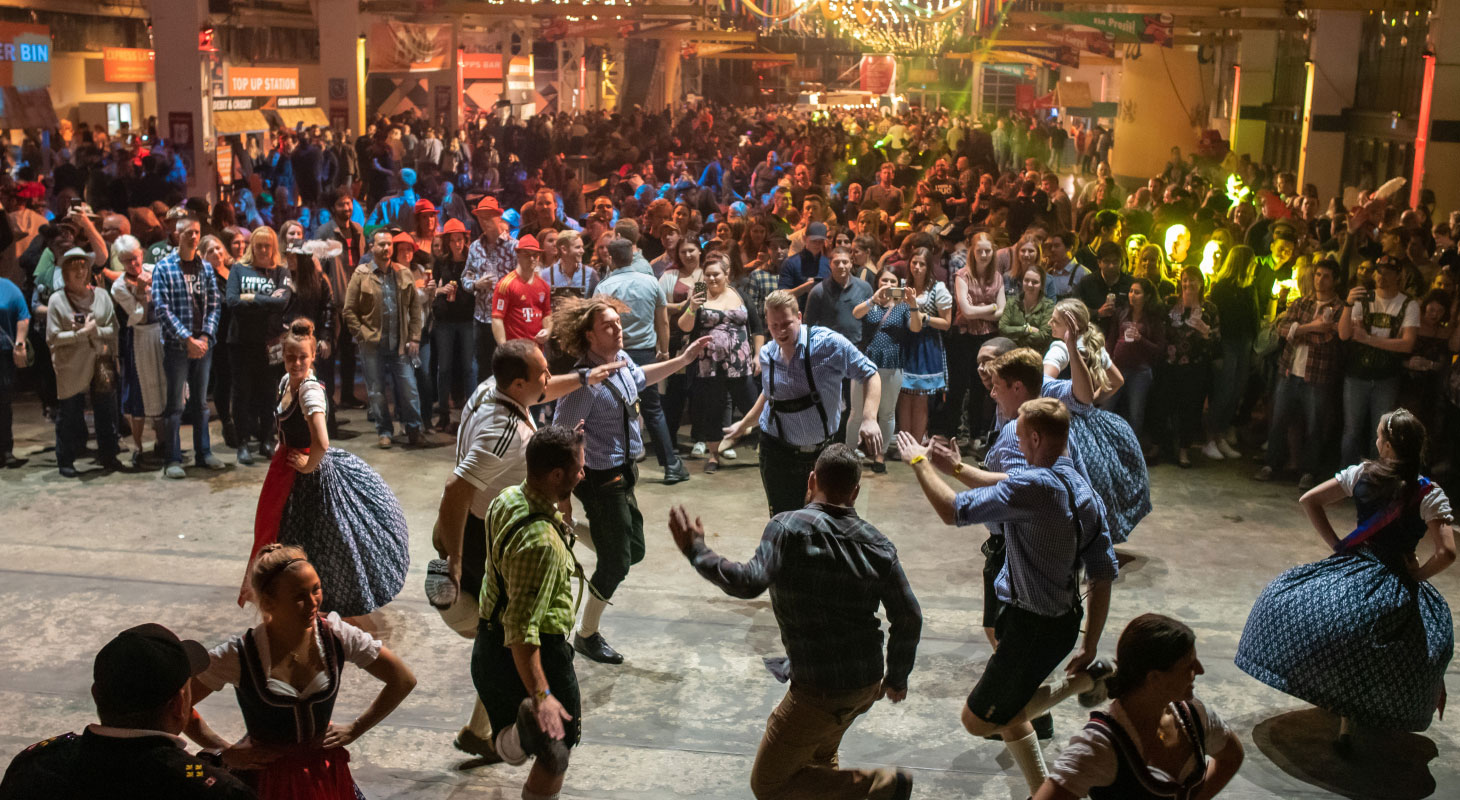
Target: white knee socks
[
  {"x": 480, "y": 723},
  {"x": 1052, "y": 694},
  {"x": 1027, "y": 755},
  {"x": 592, "y": 613}
]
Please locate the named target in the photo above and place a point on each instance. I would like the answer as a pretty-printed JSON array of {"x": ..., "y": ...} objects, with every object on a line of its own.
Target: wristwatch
[{"x": 583, "y": 375}]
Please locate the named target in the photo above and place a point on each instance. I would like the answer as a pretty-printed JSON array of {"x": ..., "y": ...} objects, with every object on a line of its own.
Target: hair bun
[
  {"x": 301, "y": 327},
  {"x": 269, "y": 548}
]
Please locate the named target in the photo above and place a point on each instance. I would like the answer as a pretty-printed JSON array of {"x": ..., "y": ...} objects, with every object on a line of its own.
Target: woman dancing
[
  {"x": 1363, "y": 633},
  {"x": 327, "y": 500},
  {"x": 286, "y": 673}
]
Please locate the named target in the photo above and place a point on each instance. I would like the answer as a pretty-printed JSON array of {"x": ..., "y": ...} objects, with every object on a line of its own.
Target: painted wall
[
  {"x": 1160, "y": 91},
  {"x": 77, "y": 78}
]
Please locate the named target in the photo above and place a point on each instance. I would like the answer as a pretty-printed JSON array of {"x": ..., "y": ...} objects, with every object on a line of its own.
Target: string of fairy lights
[{"x": 893, "y": 26}]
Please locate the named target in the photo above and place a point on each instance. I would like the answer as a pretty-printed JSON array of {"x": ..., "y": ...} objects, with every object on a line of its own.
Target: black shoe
[
  {"x": 902, "y": 788},
  {"x": 68, "y": 472},
  {"x": 596, "y": 648},
  {"x": 230, "y": 434},
  {"x": 879, "y": 467},
  {"x": 1043, "y": 726},
  {"x": 9, "y": 461},
  {"x": 551, "y": 753},
  {"x": 1100, "y": 670},
  {"x": 266, "y": 448},
  {"x": 111, "y": 464},
  {"x": 244, "y": 457},
  {"x": 1344, "y": 745},
  {"x": 676, "y": 472}
]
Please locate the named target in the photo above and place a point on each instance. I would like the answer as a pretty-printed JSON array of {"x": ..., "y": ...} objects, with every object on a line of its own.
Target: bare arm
[
  {"x": 399, "y": 682},
  {"x": 1097, "y": 607},
  {"x": 661, "y": 331},
  {"x": 1442, "y": 538},
  {"x": 939, "y": 493},
  {"x": 319, "y": 444},
  {"x": 1222, "y": 768},
  {"x": 499, "y": 330},
  {"x": 663, "y": 369},
  {"x": 1313, "y": 502}
]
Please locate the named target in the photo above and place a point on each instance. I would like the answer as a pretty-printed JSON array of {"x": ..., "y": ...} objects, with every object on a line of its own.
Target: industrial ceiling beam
[
  {"x": 1184, "y": 22},
  {"x": 1271, "y": 5},
  {"x": 546, "y": 9}
]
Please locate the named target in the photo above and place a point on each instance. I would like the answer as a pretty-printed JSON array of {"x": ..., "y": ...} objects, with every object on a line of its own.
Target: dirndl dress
[
  {"x": 1105, "y": 448},
  {"x": 924, "y": 359},
  {"x": 1354, "y": 633},
  {"x": 343, "y": 514}
]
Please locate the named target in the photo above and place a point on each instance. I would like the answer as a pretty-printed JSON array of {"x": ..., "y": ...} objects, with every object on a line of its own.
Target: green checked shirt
[{"x": 536, "y": 565}]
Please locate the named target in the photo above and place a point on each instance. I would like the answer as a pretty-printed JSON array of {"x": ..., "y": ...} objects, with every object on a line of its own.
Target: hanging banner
[
  {"x": 1128, "y": 28},
  {"x": 879, "y": 74},
  {"x": 127, "y": 65},
  {"x": 1093, "y": 42},
  {"x": 1060, "y": 56},
  {"x": 407, "y": 47}
]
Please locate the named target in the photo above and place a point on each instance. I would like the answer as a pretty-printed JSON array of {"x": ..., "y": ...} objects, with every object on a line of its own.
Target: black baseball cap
[{"x": 142, "y": 668}]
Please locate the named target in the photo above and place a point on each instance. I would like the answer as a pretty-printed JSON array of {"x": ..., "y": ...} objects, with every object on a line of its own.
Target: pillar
[
  {"x": 669, "y": 58},
  {"x": 1257, "y": 55},
  {"x": 1154, "y": 89},
  {"x": 339, "y": 60},
  {"x": 184, "y": 94},
  {"x": 1333, "y": 49},
  {"x": 1443, "y": 152}
]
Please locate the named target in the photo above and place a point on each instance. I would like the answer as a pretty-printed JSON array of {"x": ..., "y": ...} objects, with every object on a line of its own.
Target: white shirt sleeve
[
  {"x": 1057, "y": 356},
  {"x": 481, "y": 465},
  {"x": 1088, "y": 760},
  {"x": 1216, "y": 728},
  {"x": 312, "y": 397},
  {"x": 1436, "y": 506},
  {"x": 1347, "y": 477},
  {"x": 361, "y": 649},
  {"x": 1411, "y": 316},
  {"x": 225, "y": 665}
]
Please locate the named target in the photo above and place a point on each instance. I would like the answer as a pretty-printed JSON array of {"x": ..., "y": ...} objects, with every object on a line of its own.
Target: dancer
[
  {"x": 828, "y": 570},
  {"x": 326, "y": 499},
  {"x": 287, "y": 674},
  {"x": 591, "y": 331},
  {"x": 521, "y": 663},
  {"x": 491, "y": 455},
  {"x": 1053, "y": 525},
  {"x": 1363, "y": 633},
  {"x": 799, "y": 415},
  {"x": 1157, "y": 740}
]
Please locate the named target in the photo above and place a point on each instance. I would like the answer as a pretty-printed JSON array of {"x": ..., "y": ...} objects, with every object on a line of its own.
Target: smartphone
[
  {"x": 79, "y": 319},
  {"x": 701, "y": 288}
]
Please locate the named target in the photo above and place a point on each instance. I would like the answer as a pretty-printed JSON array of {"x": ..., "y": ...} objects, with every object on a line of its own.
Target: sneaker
[
  {"x": 174, "y": 472},
  {"x": 212, "y": 462},
  {"x": 1307, "y": 482},
  {"x": 676, "y": 472},
  {"x": 1227, "y": 449},
  {"x": 1211, "y": 451},
  {"x": 1100, "y": 670},
  {"x": 729, "y": 453},
  {"x": 472, "y": 744},
  {"x": 1264, "y": 474},
  {"x": 441, "y": 592},
  {"x": 698, "y": 450},
  {"x": 244, "y": 457},
  {"x": 383, "y": 443}
]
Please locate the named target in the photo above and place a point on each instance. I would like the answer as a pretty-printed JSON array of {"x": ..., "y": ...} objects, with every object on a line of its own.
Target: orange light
[{"x": 1422, "y": 134}]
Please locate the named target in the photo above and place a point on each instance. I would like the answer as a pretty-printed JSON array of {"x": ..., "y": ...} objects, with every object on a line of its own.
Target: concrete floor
[{"x": 682, "y": 717}]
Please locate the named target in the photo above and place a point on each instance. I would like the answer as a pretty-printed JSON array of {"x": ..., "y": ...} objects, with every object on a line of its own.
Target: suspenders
[{"x": 797, "y": 404}]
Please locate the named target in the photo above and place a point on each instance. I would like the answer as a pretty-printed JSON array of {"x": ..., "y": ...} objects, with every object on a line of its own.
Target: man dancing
[{"x": 1053, "y": 525}]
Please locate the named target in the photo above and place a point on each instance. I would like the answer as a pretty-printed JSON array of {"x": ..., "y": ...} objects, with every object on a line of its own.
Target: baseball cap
[
  {"x": 488, "y": 207},
  {"x": 142, "y": 668},
  {"x": 528, "y": 244},
  {"x": 816, "y": 231}
]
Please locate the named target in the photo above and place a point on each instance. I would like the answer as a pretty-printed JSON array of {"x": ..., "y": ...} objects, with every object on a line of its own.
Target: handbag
[{"x": 104, "y": 375}]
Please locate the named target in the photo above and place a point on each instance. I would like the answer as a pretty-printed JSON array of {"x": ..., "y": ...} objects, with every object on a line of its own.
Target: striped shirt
[
  {"x": 605, "y": 418},
  {"x": 491, "y": 444},
  {"x": 535, "y": 565}
]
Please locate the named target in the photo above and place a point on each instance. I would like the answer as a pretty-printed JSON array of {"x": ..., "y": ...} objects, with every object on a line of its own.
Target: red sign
[
  {"x": 878, "y": 73},
  {"x": 479, "y": 66},
  {"x": 127, "y": 65}
]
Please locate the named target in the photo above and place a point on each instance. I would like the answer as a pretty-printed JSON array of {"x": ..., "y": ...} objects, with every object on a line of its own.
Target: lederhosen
[
  {"x": 614, "y": 521},
  {"x": 785, "y": 467},
  {"x": 1133, "y": 779}
]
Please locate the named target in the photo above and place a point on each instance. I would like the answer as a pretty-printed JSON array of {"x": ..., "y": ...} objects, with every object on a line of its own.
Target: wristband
[
  {"x": 538, "y": 697},
  {"x": 916, "y": 460},
  {"x": 958, "y": 470}
]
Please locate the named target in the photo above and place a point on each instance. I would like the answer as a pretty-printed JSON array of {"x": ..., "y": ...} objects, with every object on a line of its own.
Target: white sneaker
[
  {"x": 698, "y": 450},
  {"x": 1211, "y": 452},
  {"x": 729, "y": 453},
  {"x": 1227, "y": 450}
]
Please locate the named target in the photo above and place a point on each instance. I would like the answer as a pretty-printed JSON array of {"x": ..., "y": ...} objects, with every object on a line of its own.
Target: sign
[
  {"x": 338, "y": 90},
  {"x": 519, "y": 74},
  {"x": 807, "y": 74},
  {"x": 1065, "y": 56},
  {"x": 297, "y": 102},
  {"x": 479, "y": 66},
  {"x": 878, "y": 74},
  {"x": 225, "y": 165},
  {"x": 407, "y": 47},
  {"x": 261, "y": 81},
  {"x": 25, "y": 55},
  {"x": 1128, "y": 28},
  {"x": 127, "y": 65},
  {"x": 922, "y": 76},
  {"x": 1093, "y": 42}
]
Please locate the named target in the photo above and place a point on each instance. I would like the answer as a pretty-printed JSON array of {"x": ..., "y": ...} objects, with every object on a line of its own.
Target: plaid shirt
[
  {"x": 1324, "y": 361},
  {"x": 536, "y": 565},
  {"x": 488, "y": 264},
  {"x": 828, "y": 570},
  {"x": 761, "y": 283},
  {"x": 173, "y": 306}
]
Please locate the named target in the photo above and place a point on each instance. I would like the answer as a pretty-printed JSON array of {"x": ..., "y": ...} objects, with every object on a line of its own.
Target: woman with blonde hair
[
  {"x": 925, "y": 363},
  {"x": 259, "y": 290},
  {"x": 143, "y": 384}
]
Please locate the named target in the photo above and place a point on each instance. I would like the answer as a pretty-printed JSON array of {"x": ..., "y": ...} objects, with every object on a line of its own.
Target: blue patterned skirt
[
  {"x": 925, "y": 364},
  {"x": 1106, "y": 449},
  {"x": 353, "y": 530},
  {"x": 1350, "y": 635}
]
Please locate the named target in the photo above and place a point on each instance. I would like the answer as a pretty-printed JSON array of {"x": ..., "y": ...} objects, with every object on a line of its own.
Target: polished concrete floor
[{"x": 682, "y": 717}]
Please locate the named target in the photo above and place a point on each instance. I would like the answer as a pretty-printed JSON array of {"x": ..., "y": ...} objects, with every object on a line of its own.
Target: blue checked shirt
[
  {"x": 184, "y": 314},
  {"x": 603, "y": 415},
  {"x": 1044, "y": 551},
  {"x": 487, "y": 264},
  {"x": 828, "y": 570},
  {"x": 833, "y": 359}
]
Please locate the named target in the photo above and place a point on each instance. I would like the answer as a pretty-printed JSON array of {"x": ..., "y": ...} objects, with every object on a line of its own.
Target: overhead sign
[
  {"x": 1064, "y": 56},
  {"x": 480, "y": 66},
  {"x": 1129, "y": 28},
  {"x": 128, "y": 65},
  {"x": 25, "y": 55},
  {"x": 408, "y": 47},
  {"x": 1093, "y": 42},
  {"x": 261, "y": 81}
]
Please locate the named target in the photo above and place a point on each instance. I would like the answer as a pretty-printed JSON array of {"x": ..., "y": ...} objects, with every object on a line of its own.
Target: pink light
[{"x": 1422, "y": 135}]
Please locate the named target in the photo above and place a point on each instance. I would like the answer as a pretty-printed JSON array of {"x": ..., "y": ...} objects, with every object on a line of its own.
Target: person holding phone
[
  {"x": 81, "y": 330},
  {"x": 725, "y": 368}
]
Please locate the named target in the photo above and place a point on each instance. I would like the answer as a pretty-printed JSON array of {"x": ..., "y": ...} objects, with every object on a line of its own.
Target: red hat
[
  {"x": 30, "y": 190},
  {"x": 403, "y": 238},
  {"x": 423, "y": 206},
  {"x": 488, "y": 207},
  {"x": 453, "y": 226},
  {"x": 528, "y": 244}
]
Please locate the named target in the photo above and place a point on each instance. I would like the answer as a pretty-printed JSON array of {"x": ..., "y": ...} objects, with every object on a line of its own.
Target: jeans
[
  {"x": 798, "y": 753},
  {"x": 425, "y": 381},
  {"x": 487, "y": 345},
  {"x": 255, "y": 384},
  {"x": 346, "y": 353},
  {"x": 221, "y": 376},
  {"x": 1187, "y": 396},
  {"x": 1130, "y": 401},
  {"x": 456, "y": 373},
  {"x": 1297, "y": 400},
  {"x": 652, "y": 408},
  {"x": 71, "y": 426},
  {"x": 1231, "y": 382},
  {"x": 1364, "y": 402},
  {"x": 381, "y": 365},
  {"x": 186, "y": 376},
  {"x": 963, "y": 382}
]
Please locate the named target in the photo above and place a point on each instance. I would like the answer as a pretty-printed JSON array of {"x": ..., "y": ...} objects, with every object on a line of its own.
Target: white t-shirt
[
  {"x": 1090, "y": 758},
  {"x": 1391, "y": 307},
  {"x": 1058, "y": 355},
  {"x": 225, "y": 662},
  {"x": 491, "y": 445},
  {"x": 1434, "y": 506}
]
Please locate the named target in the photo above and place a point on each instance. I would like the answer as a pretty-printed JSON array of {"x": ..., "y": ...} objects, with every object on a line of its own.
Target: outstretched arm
[
  {"x": 939, "y": 494},
  {"x": 737, "y": 580}
]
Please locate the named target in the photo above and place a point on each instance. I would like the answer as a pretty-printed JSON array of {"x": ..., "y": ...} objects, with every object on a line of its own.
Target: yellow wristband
[
  {"x": 916, "y": 460},
  {"x": 958, "y": 470}
]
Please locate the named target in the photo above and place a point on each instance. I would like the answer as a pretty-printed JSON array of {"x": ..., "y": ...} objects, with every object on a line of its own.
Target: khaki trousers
[{"x": 798, "y": 754}]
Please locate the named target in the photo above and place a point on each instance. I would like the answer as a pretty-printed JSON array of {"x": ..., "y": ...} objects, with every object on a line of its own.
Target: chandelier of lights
[{"x": 895, "y": 26}]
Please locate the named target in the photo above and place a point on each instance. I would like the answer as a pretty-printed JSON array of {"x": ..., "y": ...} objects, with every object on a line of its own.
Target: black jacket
[{"x": 90, "y": 766}]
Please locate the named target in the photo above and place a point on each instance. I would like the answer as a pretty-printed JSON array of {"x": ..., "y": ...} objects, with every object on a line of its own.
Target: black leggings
[
  {"x": 963, "y": 383},
  {"x": 255, "y": 382},
  {"x": 708, "y": 397}
]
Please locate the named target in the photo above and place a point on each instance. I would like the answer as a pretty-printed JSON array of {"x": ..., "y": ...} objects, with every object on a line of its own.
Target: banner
[
  {"x": 25, "y": 55},
  {"x": 1093, "y": 42},
  {"x": 1128, "y": 28},
  {"x": 407, "y": 47},
  {"x": 127, "y": 65},
  {"x": 260, "y": 81},
  {"x": 1063, "y": 56},
  {"x": 879, "y": 74}
]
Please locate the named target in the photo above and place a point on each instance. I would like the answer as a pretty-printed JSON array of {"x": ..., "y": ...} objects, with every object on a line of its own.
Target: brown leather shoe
[{"x": 472, "y": 744}]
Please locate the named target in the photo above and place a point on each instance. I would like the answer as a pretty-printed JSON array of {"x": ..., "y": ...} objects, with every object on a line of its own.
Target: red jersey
[{"x": 521, "y": 305}]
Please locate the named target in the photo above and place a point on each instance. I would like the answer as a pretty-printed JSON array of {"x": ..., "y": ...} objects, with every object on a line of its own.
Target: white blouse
[
  {"x": 225, "y": 664},
  {"x": 1090, "y": 758},
  {"x": 1434, "y": 506},
  {"x": 311, "y": 395}
]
